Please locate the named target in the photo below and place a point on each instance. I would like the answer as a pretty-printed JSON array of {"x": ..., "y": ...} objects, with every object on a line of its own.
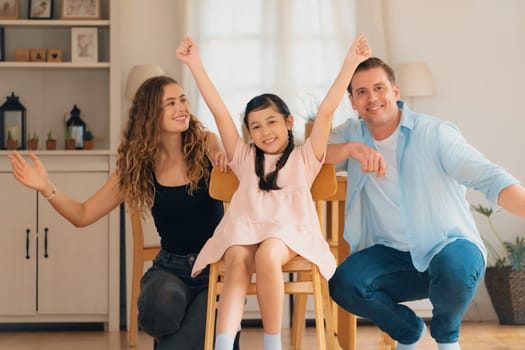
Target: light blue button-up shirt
[{"x": 436, "y": 166}]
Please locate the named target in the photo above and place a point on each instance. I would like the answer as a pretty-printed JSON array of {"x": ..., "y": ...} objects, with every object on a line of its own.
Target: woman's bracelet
[{"x": 53, "y": 192}]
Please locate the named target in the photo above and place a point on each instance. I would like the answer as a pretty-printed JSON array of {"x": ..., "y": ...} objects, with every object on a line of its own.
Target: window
[{"x": 293, "y": 48}]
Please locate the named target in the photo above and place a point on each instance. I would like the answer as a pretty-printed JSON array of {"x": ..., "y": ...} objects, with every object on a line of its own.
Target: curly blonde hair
[{"x": 140, "y": 145}]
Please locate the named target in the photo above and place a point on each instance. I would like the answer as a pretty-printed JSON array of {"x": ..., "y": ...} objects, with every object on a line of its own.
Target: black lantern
[
  {"x": 12, "y": 124},
  {"x": 76, "y": 128}
]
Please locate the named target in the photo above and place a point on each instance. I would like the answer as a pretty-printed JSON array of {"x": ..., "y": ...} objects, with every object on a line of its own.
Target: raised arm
[
  {"x": 79, "y": 214},
  {"x": 358, "y": 52},
  {"x": 188, "y": 53}
]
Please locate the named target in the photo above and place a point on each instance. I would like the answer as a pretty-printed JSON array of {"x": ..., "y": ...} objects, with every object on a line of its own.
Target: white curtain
[{"x": 293, "y": 48}]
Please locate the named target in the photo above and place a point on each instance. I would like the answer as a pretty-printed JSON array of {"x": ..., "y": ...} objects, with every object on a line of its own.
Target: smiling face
[
  {"x": 374, "y": 97},
  {"x": 176, "y": 109},
  {"x": 269, "y": 129}
]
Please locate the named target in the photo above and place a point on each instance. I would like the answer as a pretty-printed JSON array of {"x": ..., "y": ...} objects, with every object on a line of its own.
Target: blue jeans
[
  {"x": 372, "y": 282},
  {"x": 172, "y": 305}
]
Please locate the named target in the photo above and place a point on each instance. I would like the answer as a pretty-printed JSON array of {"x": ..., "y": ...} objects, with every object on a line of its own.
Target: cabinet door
[
  {"x": 74, "y": 276},
  {"x": 17, "y": 266}
]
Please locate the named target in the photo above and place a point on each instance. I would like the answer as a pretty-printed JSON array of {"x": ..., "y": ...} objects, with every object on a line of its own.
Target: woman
[{"x": 163, "y": 165}]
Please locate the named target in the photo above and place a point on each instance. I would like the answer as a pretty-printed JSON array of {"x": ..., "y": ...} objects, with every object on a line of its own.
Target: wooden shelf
[
  {"x": 53, "y": 23},
  {"x": 61, "y": 65}
]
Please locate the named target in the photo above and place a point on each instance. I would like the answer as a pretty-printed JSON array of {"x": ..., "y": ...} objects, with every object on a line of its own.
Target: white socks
[
  {"x": 449, "y": 346},
  {"x": 413, "y": 345},
  {"x": 272, "y": 341},
  {"x": 223, "y": 341}
]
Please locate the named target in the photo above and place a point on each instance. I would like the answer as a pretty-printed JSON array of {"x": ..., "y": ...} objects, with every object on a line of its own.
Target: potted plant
[
  {"x": 505, "y": 275},
  {"x": 89, "y": 142},
  {"x": 51, "y": 142},
  {"x": 11, "y": 143},
  {"x": 32, "y": 142}
]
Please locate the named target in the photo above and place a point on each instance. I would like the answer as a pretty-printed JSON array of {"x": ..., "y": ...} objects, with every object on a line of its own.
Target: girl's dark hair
[{"x": 269, "y": 182}]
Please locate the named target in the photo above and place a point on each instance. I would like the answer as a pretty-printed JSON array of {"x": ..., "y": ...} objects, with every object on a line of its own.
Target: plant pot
[
  {"x": 32, "y": 145},
  {"x": 506, "y": 289},
  {"x": 70, "y": 144},
  {"x": 11, "y": 144},
  {"x": 51, "y": 145},
  {"x": 89, "y": 144}
]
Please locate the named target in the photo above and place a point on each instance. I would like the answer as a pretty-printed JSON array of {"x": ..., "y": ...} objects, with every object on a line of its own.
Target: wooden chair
[
  {"x": 309, "y": 281},
  {"x": 141, "y": 254}
]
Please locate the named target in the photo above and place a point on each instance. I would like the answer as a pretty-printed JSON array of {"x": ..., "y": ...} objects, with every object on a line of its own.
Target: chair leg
[
  {"x": 347, "y": 329},
  {"x": 388, "y": 341},
  {"x": 318, "y": 303},
  {"x": 298, "y": 320},
  {"x": 212, "y": 306},
  {"x": 138, "y": 266},
  {"x": 299, "y": 314},
  {"x": 329, "y": 317}
]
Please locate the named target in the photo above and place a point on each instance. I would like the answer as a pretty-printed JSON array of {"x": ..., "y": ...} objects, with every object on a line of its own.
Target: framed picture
[
  {"x": 2, "y": 45},
  {"x": 84, "y": 45},
  {"x": 9, "y": 9},
  {"x": 40, "y": 9},
  {"x": 81, "y": 9}
]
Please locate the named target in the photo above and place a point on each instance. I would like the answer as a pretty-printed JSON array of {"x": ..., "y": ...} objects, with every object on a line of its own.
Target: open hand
[
  {"x": 34, "y": 177},
  {"x": 360, "y": 49}
]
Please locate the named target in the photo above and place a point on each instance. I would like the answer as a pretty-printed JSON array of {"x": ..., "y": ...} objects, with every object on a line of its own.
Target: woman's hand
[
  {"x": 219, "y": 160},
  {"x": 34, "y": 177},
  {"x": 188, "y": 52}
]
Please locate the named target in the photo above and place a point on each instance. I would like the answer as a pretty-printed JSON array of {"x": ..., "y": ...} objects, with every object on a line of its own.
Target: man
[{"x": 408, "y": 223}]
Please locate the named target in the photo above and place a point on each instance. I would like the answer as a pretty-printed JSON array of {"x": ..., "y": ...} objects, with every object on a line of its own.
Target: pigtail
[{"x": 269, "y": 182}]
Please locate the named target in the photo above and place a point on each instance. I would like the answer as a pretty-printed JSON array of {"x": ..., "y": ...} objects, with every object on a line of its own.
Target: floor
[{"x": 474, "y": 336}]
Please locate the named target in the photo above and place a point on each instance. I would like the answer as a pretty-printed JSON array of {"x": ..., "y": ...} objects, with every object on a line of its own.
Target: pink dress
[{"x": 288, "y": 214}]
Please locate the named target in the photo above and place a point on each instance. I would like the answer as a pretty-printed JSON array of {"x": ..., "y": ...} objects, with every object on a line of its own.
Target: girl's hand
[
  {"x": 371, "y": 160},
  {"x": 187, "y": 52},
  {"x": 32, "y": 177},
  {"x": 360, "y": 49},
  {"x": 219, "y": 160}
]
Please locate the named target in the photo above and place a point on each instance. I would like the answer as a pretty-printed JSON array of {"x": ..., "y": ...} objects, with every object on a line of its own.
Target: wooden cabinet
[
  {"x": 78, "y": 280},
  {"x": 51, "y": 270}
]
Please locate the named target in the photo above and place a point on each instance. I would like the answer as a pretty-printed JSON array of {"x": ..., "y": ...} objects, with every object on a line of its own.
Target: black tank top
[{"x": 185, "y": 222}]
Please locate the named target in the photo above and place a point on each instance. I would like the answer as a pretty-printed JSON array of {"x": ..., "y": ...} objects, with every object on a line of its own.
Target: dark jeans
[
  {"x": 172, "y": 305},
  {"x": 372, "y": 282}
]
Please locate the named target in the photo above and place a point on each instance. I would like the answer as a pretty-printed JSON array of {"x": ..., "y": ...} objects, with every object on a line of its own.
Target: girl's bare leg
[
  {"x": 271, "y": 255},
  {"x": 239, "y": 262}
]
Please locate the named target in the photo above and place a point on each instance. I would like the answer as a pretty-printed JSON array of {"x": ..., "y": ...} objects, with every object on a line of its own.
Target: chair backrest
[{"x": 223, "y": 185}]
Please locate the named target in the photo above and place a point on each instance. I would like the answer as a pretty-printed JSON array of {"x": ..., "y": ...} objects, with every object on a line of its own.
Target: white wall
[{"x": 474, "y": 49}]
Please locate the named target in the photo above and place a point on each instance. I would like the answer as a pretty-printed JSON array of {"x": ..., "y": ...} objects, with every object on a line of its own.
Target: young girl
[
  {"x": 272, "y": 216},
  {"x": 163, "y": 165}
]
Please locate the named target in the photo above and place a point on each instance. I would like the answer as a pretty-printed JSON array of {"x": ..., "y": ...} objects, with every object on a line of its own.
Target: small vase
[
  {"x": 11, "y": 144},
  {"x": 51, "y": 145},
  {"x": 32, "y": 145},
  {"x": 70, "y": 144},
  {"x": 89, "y": 144}
]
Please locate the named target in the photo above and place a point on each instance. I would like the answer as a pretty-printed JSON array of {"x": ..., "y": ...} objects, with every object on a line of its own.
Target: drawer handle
[
  {"x": 28, "y": 231},
  {"x": 45, "y": 242}
]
